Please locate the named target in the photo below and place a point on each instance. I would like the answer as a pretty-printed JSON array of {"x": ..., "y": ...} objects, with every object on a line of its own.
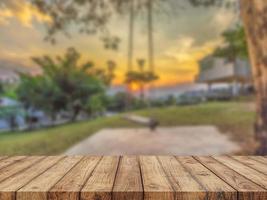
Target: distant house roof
[
  {"x": 4, "y": 101},
  {"x": 8, "y": 76},
  {"x": 219, "y": 70},
  {"x": 9, "y": 70}
]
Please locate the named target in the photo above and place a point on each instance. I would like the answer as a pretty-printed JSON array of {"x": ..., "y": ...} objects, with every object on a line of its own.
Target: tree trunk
[
  {"x": 142, "y": 92},
  {"x": 131, "y": 36},
  {"x": 130, "y": 50},
  {"x": 150, "y": 35},
  {"x": 254, "y": 13}
]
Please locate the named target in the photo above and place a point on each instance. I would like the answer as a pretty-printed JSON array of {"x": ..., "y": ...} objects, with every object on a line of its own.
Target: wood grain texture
[
  {"x": 100, "y": 184},
  {"x": 259, "y": 166},
  {"x": 185, "y": 186},
  {"x": 128, "y": 182},
  {"x": 133, "y": 178},
  {"x": 11, "y": 160},
  {"x": 3, "y": 157},
  {"x": 215, "y": 187},
  {"x": 17, "y": 167},
  {"x": 247, "y": 190},
  {"x": 248, "y": 172},
  {"x": 38, "y": 188},
  {"x": 155, "y": 181},
  {"x": 260, "y": 159},
  {"x": 9, "y": 187},
  {"x": 69, "y": 187}
]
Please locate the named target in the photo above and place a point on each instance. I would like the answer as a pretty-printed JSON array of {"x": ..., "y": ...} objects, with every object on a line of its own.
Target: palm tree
[
  {"x": 141, "y": 65},
  {"x": 111, "y": 66},
  {"x": 141, "y": 77},
  {"x": 150, "y": 35},
  {"x": 131, "y": 35}
]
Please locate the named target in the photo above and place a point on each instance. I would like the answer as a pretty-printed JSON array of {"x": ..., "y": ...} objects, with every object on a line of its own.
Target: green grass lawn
[{"x": 233, "y": 118}]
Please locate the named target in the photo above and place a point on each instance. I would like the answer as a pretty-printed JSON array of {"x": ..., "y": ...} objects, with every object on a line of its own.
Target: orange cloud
[{"x": 23, "y": 11}]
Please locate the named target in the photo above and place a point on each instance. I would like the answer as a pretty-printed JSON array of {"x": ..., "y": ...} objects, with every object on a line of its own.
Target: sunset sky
[{"x": 181, "y": 39}]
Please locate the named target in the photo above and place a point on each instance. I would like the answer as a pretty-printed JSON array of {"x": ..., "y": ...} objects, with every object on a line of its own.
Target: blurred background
[{"x": 119, "y": 77}]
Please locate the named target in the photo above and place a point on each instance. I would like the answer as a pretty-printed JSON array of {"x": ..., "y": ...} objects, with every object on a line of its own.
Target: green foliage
[
  {"x": 235, "y": 44},
  {"x": 41, "y": 93},
  {"x": 140, "y": 77},
  {"x": 10, "y": 93},
  {"x": 138, "y": 104},
  {"x": 171, "y": 100},
  {"x": 64, "y": 85},
  {"x": 96, "y": 17},
  {"x": 118, "y": 102},
  {"x": 96, "y": 104},
  {"x": 2, "y": 90},
  {"x": 207, "y": 3},
  {"x": 9, "y": 113},
  {"x": 123, "y": 101}
]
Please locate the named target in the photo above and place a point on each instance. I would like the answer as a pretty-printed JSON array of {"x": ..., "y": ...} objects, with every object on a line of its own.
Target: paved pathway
[{"x": 196, "y": 140}]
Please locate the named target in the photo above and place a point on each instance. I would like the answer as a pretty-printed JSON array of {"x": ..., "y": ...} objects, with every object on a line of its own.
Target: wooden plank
[
  {"x": 247, "y": 190},
  {"x": 215, "y": 187},
  {"x": 11, "y": 160},
  {"x": 260, "y": 159},
  {"x": 185, "y": 186},
  {"x": 155, "y": 181},
  {"x": 69, "y": 187},
  {"x": 100, "y": 184},
  {"x": 259, "y": 166},
  {"x": 3, "y": 157},
  {"x": 38, "y": 188},
  {"x": 135, "y": 178},
  {"x": 128, "y": 182},
  {"x": 18, "y": 166},
  {"x": 9, "y": 187},
  {"x": 248, "y": 172}
]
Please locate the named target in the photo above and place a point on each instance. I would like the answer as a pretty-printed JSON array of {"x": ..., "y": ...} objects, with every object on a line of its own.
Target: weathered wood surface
[{"x": 133, "y": 178}]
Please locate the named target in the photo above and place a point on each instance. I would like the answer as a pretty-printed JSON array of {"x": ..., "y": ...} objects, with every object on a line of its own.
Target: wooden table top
[{"x": 133, "y": 178}]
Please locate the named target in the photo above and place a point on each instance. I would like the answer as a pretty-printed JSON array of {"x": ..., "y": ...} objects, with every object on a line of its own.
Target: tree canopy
[
  {"x": 235, "y": 44},
  {"x": 64, "y": 85},
  {"x": 93, "y": 16}
]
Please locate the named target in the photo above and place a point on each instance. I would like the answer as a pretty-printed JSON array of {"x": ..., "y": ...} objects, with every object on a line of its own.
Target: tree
[
  {"x": 131, "y": 35},
  {"x": 64, "y": 85},
  {"x": 150, "y": 35},
  {"x": 10, "y": 114},
  {"x": 118, "y": 102},
  {"x": 2, "y": 90},
  {"x": 235, "y": 44},
  {"x": 40, "y": 93},
  {"x": 96, "y": 105},
  {"x": 110, "y": 75},
  {"x": 255, "y": 18},
  {"x": 141, "y": 77},
  {"x": 133, "y": 6}
]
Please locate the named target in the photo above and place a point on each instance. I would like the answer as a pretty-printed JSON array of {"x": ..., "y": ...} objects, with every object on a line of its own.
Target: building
[
  {"x": 10, "y": 71},
  {"x": 219, "y": 70},
  {"x": 8, "y": 76}
]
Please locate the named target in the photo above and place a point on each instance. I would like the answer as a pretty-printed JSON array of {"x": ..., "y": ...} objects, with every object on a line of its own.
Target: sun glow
[{"x": 134, "y": 87}]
